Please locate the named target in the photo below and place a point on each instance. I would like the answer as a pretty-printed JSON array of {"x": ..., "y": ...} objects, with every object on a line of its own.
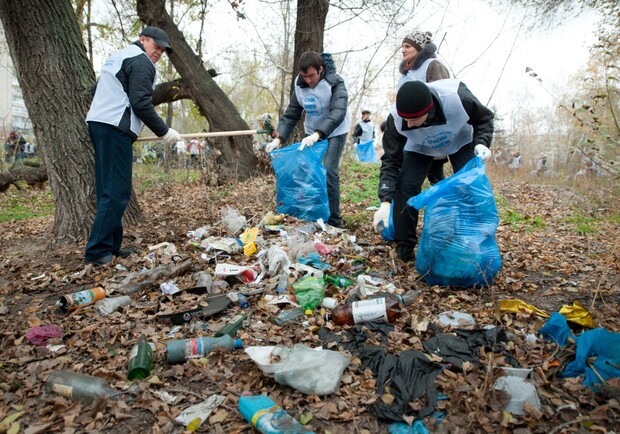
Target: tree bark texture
[
  {"x": 34, "y": 176},
  {"x": 56, "y": 77},
  {"x": 309, "y": 33},
  {"x": 237, "y": 159}
]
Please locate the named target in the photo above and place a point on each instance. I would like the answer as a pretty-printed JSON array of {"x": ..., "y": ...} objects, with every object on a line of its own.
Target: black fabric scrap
[
  {"x": 491, "y": 339},
  {"x": 452, "y": 349},
  {"x": 410, "y": 376},
  {"x": 356, "y": 338}
]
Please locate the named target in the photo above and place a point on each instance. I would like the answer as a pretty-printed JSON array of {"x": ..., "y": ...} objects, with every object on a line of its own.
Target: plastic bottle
[
  {"x": 289, "y": 315},
  {"x": 140, "y": 360},
  {"x": 78, "y": 387},
  {"x": 377, "y": 309},
  {"x": 179, "y": 350},
  {"x": 282, "y": 283},
  {"x": 70, "y": 302},
  {"x": 338, "y": 281},
  {"x": 232, "y": 327},
  {"x": 109, "y": 305},
  {"x": 267, "y": 416},
  {"x": 238, "y": 298}
]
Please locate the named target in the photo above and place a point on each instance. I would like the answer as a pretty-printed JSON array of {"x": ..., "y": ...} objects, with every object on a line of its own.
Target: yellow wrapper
[
  {"x": 578, "y": 314},
  {"x": 515, "y": 305}
]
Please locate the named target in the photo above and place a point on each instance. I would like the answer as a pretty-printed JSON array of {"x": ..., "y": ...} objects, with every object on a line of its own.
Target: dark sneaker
[
  {"x": 99, "y": 261},
  {"x": 125, "y": 253},
  {"x": 405, "y": 252}
]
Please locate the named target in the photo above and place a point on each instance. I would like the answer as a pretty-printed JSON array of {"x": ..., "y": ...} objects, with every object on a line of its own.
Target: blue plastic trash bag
[
  {"x": 599, "y": 343},
  {"x": 458, "y": 246},
  {"x": 366, "y": 152},
  {"x": 556, "y": 329},
  {"x": 301, "y": 185},
  {"x": 388, "y": 232}
]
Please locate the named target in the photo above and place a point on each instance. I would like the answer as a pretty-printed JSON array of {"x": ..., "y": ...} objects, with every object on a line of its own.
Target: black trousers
[{"x": 414, "y": 170}]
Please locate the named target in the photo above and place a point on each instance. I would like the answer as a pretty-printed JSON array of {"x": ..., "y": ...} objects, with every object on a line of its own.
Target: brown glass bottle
[{"x": 377, "y": 309}]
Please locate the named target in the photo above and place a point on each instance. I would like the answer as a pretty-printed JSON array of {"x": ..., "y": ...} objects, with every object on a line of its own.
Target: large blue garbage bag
[
  {"x": 458, "y": 246},
  {"x": 301, "y": 184},
  {"x": 366, "y": 152}
]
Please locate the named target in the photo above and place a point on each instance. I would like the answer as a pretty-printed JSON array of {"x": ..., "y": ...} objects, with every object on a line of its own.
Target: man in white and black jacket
[
  {"x": 322, "y": 94},
  {"x": 122, "y": 104},
  {"x": 428, "y": 120}
]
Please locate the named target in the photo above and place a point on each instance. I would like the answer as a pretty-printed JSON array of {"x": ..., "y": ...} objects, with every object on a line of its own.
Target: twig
[
  {"x": 188, "y": 392},
  {"x": 566, "y": 425}
]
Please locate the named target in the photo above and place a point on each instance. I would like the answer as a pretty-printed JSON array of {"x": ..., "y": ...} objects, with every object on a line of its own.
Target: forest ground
[{"x": 559, "y": 242}]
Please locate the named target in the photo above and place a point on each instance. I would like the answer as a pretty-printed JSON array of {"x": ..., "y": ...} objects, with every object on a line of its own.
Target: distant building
[{"x": 13, "y": 112}]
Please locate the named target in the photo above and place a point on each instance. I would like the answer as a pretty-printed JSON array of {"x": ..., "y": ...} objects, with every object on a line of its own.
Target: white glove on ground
[
  {"x": 482, "y": 151},
  {"x": 171, "y": 137},
  {"x": 309, "y": 141},
  {"x": 272, "y": 146},
  {"x": 382, "y": 216}
]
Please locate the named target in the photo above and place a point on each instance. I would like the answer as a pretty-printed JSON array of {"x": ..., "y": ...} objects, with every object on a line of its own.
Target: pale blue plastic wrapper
[
  {"x": 366, "y": 152},
  {"x": 301, "y": 183},
  {"x": 458, "y": 245}
]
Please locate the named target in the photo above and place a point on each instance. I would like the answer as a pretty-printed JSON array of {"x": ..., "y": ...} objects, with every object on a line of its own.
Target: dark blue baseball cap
[{"x": 159, "y": 36}]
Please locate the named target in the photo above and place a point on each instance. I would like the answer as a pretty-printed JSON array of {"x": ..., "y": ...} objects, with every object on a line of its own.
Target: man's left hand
[{"x": 309, "y": 141}]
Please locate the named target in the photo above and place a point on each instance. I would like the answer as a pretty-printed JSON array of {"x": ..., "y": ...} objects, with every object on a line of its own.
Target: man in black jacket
[
  {"x": 427, "y": 121},
  {"x": 121, "y": 105}
]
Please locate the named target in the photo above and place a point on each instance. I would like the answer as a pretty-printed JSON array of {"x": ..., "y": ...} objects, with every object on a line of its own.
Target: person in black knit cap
[{"x": 428, "y": 120}]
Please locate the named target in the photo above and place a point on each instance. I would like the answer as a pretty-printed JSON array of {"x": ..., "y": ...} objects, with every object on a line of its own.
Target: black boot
[{"x": 405, "y": 253}]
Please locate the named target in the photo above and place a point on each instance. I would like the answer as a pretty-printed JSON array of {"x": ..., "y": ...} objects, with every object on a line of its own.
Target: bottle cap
[
  {"x": 238, "y": 343},
  {"x": 308, "y": 311}
]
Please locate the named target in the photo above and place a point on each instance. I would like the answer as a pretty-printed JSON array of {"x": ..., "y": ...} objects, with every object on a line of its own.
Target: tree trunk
[
  {"x": 56, "y": 77},
  {"x": 309, "y": 33},
  {"x": 237, "y": 158}
]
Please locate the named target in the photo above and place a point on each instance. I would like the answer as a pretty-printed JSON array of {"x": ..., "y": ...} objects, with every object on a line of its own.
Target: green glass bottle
[
  {"x": 232, "y": 327},
  {"x": 140, "y": 360},
  {"x": 338, "y": 281}
]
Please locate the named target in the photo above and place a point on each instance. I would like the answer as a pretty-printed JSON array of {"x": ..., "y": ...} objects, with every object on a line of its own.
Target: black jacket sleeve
[
  {"x": 357, "y": 132},
  {"x": 391, "y": 161},
  {"x": 140, "y": 79},
  {"x": 480, "y": 117},
  {"x": 290, "y": 118}
]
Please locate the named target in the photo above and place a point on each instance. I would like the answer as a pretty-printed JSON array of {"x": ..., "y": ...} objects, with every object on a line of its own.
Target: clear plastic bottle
[
  {"x": 238, "y": 298},
  {"x": 140, "y": 360},
  {"x": 376, "y": 309},
  {"x": 287, "y": 316},
  {"x": 179, "y": 350},
  {"x": 267, "y": 416},
  {"x": 109, "y": 305},
  {"x": 79, "y": 387}
]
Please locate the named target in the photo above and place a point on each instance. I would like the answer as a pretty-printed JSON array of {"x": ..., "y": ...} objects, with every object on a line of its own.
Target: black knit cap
[{"x": 413, "y": 100}]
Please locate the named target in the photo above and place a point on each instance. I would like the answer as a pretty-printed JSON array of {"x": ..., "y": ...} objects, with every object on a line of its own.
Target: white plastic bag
[{"x": 315, "y": 372}]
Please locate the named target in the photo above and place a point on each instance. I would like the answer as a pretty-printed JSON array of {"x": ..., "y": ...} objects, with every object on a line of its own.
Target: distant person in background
[
  {"x": 515, "y": 162},
  {"x": 194, "y": 148},
  {"x": 122, "y": 104},
  {"x": 364, "y": 130},
  {"x": 322, "y": 94},
  {"x": 420, "y": 63},
  {"x": 428, "y": 120},
  {"x": 541, "y": 165},
  {"x": 181, "y": 151}
]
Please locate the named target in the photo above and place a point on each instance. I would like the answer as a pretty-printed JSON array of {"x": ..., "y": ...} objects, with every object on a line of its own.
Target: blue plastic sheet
[
  {"x": 556, "y": 329},
  {"x": 458, "y": 246},
  {"x": 599, "y": 343},
  {"x": 301, "y": 185},
  {"x": 366, "y": 152}
]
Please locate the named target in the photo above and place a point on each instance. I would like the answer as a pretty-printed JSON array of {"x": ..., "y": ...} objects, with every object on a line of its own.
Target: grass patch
[
  {"x": 584, "y": 225},
  {"x": 359, "y": 183},
  {"x": 514, "y": 218},
  {"x": 24, "y": 202},
  {"x": 148, "y": 175}
]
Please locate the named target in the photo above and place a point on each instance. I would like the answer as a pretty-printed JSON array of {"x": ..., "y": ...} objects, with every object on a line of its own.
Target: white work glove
[
  {"x": 171, "y": 137},
  {"x": 272, "y": 146},
  {"x": 309, "y": 141},
  {"x": 482, "y": 151},
  {"x": 382, "y": 216}
]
